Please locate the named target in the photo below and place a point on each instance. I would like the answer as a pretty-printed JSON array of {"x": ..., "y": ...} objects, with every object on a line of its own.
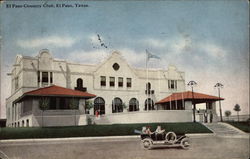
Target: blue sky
[{"x": 207, "y": 39}]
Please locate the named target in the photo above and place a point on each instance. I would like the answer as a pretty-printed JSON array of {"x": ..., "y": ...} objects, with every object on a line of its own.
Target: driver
[{"x": 159, "y": 132}]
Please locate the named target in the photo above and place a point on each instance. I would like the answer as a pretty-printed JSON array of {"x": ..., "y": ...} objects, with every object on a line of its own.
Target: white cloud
[
  {"x": 57, "y": 41},
  {"x": 88, "y": 57},
  {"x": 179, "y": 46},
  {"x": 213, "y": 50},
  {"x": 134, "y": 58},
  {"x": 157, "y": 43}
]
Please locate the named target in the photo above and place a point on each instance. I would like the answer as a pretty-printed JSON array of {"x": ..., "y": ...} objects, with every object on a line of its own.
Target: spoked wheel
[
  {"x": 171, "y": 137},
  {"x": 147, "y": 144},
  {"x": 185, "y": 143}
]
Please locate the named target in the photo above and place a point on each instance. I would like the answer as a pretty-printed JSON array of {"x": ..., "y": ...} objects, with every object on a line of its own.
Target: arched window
[
  {"x": 27, "y": 123},
  {"x": 133, "y": 104},
  {"x": 149, "y": 104},
  {"x": 148, "y": 86},
  {"x": 79, "y": 83},
  {"x": 99, "y": 105},
  {"x": 117, "y": 105}
]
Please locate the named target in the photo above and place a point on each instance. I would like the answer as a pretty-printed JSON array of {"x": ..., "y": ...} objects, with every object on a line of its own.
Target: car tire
[
  {"x": 185, "y": 143},
  {"x": 147, "y": 143},
  {"x": 171, "y": 137}
]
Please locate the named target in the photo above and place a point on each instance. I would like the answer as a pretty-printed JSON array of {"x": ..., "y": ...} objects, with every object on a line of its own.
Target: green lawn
[
  {"x": 97, "y": 130},
  {"x": 244, "y": 125}
]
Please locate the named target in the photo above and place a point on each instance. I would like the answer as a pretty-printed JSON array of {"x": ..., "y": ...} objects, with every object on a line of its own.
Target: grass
[
  {"x": 242, "y": 125},
  {"x": 97, "y": 130}
]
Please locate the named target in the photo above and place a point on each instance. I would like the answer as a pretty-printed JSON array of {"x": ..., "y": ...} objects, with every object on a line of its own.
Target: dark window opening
[
  {"x": 99, "y": 106},
  {"x": 112, "y": 81},
  {"x": 79, "y": 83},
  {"x": 129, "y": 82},
  {"x": 58, "y": 103},
  {"x": 117, "y": 105},
  {"x": 120, "y": 82},
  {"x": 16, "y": 83},
  {"x": 172, "y": 84},
  {"x": 51, "y": 77},
  {"x": 45, "y": 77},
  {"x": 38, "y": 76},
  {"x": 133, "y": 104},
  {"x": 116, "y": 66},
  {"x": 103, "y": 81},
  {"x": 52, "y": 103},
  {"x": 148, "y": 86},
  {"x": 149, "y": 104},
  {"x": 27, "y": 123},
  {"x": 175, "y": 105},
  {"x": 27, "y": 105}
]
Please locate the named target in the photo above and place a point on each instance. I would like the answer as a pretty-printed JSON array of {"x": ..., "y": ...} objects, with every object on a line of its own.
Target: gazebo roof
[
  {"x": 187, "y": 96},
  {"x": 56, "y": 91}
]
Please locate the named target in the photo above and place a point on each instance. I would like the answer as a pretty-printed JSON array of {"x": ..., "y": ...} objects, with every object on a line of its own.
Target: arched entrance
[
  {"x": 99, "y": 105},
  {"x": 117, "y": 105},
  {"x": 133, "y": 105},
  {"x": 149, "y": 104}
]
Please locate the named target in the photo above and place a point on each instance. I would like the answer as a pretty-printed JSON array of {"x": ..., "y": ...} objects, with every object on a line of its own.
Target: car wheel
[
  {"x": 147, "y": 144},
  {"x": 171, "y": 137},
  {"x": 185, "y": 143}
]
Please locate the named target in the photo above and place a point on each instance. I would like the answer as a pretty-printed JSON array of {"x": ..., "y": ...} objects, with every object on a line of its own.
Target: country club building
[{"x": 51, "y": 92}]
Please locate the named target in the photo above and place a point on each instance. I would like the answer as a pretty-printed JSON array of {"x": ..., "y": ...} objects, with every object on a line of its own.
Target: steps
[
  {"x": 101, "y": 120},
  {"x": 223, "y": 129}
]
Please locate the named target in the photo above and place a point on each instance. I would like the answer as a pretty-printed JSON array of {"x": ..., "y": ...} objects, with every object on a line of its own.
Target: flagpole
[{"x": 147, "y": 85}]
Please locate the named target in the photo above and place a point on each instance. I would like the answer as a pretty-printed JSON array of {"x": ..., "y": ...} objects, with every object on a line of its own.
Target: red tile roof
[
  {"x": 58, "y": 91},
  {"x": 188, "y": 96}
]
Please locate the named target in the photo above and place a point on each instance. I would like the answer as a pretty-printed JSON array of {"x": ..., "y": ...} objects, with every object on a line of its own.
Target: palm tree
[
  {"x": 237, "y": 109},
  {"x": 74, "y": 105},
  {"x": 44, "y": 105},
  {"x": 227, "y": 114}
]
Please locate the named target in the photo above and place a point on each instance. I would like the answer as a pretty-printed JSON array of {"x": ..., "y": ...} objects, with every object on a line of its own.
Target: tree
[
  {"x": 43, "y": 105},
  {"x": 124, "y": 106},
  {"x": 237, "y": 109},
  {"x": 227, "y": 114},
  {"x": 88, "y": 105},
  {"x": 73, "y": 104}
]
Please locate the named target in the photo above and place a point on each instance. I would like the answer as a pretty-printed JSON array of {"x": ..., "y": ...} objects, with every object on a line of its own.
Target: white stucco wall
[
  {"x": 147, "y": 117},
  {"x": 66, "y": 73}
]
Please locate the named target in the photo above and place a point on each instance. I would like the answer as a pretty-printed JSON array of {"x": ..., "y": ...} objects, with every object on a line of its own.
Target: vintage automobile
[{"x": 169, "y": 139}]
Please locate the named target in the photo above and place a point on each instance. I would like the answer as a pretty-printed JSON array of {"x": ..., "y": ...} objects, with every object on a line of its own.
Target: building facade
[{"x": 123, "y": 94}]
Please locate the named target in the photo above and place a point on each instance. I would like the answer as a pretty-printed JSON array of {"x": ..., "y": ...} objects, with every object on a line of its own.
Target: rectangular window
[
  {"x": 103, "y": 81},
  {"x": 172, "y": 84},
  {"x": 120, "y": 82},
  {"x": 129, "y": 82},
  {"x": 16, "y": 83},
  {"x": 111, "y": 81},
  {"x": 45, "y": 77},
  {"x": 38, "y": 76},
  {"x": 51, "y": 77}
]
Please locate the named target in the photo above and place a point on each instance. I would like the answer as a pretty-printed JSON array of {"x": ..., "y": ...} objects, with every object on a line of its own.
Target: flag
[{"x": 149, "y": 55}]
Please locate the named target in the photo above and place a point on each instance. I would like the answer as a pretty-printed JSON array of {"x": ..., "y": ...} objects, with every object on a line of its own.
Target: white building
[{"x": 123, "y": 94}]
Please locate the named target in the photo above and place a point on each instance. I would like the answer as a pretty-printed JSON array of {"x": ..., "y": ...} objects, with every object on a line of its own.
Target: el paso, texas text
[{"x": 61, "y": 5}]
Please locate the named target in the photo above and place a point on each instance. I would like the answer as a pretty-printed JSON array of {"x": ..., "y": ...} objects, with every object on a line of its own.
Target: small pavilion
[{"x": 186, "y": 100}]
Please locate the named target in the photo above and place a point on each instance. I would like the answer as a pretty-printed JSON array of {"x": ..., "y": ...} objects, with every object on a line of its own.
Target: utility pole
[
  {"x": 192, "y": 84},
  {"x": 219, "y": 86}
]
